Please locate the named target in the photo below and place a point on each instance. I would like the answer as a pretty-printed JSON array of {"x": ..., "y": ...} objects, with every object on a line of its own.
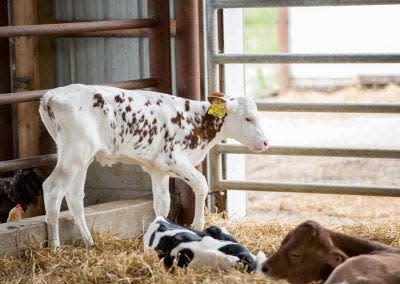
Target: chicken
[{"x": 15, "y": 214}]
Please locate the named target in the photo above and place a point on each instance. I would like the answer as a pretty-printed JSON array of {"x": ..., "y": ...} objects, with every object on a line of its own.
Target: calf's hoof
[
  {"x": 89, "y": 243},
  {"x": 198, "y": 226},
  {"x": 54, "y": 244}
]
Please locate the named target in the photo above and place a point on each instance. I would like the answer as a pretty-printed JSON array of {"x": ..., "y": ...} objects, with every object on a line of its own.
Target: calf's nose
[
  {"x": 264, "y": 268},
  {"x": 264, "y": 145}
]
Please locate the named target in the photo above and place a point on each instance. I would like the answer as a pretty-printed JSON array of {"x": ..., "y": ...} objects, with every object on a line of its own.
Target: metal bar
[
  {"x": 212, "y": 31},
  {"x": 308, "y": 188},
  {"x": 218, "y": 4},
  {"x": 188, "y": 80},
  {"x": 293, "y": 58},
  {"x": 330, "y": 107},
  {"x": 70, "y": 28},
  {"x": 128, "y": 33},
  {"x": 30, "y": 96},
  {"x": 38, "y": 161},
  {"x": 312, "y": 151}
]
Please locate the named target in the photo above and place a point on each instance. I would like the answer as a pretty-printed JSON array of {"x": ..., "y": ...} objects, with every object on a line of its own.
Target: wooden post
[
  {"x": 27, "y": 78},
  {"x": 6, "y": 148},
  {"x": 283, "y": 47}
]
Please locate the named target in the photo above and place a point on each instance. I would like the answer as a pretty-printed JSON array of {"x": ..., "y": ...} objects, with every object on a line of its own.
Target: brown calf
[{"x": 310, "y": 253}]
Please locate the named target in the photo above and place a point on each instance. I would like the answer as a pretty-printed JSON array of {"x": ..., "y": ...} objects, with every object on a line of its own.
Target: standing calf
[
  {"x": 312, "y": 253},
  {"x": 213, "y": 247},
  {"x": 166, "y": 135}
]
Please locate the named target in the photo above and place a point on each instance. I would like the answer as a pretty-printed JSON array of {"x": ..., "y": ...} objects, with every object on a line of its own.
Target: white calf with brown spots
[{"x": 168, "y": 136}]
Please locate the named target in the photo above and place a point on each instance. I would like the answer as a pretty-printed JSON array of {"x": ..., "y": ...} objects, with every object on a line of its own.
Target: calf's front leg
[
  {"x": 187, "y": 172},
  {"x": 161, "y": 197}
]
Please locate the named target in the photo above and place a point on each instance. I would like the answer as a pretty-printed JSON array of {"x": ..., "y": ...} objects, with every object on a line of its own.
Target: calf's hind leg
[
  {"x": 68, "y": 166},
  {"x": 74, "y": 197}
]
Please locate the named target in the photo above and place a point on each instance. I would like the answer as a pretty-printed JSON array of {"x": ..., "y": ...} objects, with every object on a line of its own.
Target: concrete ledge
[{"x": 125, "y": 218}]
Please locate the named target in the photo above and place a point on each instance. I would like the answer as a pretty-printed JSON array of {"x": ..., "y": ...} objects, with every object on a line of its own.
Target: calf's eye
[{"x": 248, "y": 119}]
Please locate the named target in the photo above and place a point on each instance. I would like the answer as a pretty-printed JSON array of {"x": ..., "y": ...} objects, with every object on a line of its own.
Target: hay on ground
[{"x": 114, "y": 260}]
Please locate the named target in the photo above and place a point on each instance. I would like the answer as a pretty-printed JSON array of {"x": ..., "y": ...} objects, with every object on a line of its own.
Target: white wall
[
  {"x": 363, "y": 29},
  {"x": 234, "y": 87}
]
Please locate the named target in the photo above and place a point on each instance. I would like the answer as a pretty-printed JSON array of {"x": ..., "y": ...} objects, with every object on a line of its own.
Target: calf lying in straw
[
  {"x": 213, "y": 247},
  {"x": 166, "y": 135},
  {"x": 21, "y": 196},
  {"x": 312, "y": 253}
]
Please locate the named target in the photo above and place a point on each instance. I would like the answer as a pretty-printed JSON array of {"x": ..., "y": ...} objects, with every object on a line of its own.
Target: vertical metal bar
[
  {"x": 216, "y": 173},
  {"x": 283, "y": 48},
  {"x": 160, "y": 45},
  {"x": 211, "y": 15},
  {"x": 188, "y": 78}
]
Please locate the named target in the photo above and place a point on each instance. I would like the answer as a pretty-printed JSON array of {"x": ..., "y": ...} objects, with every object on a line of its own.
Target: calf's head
[
  {"x": 306, "y": 254},
  {"x": 242, "y": 122}
]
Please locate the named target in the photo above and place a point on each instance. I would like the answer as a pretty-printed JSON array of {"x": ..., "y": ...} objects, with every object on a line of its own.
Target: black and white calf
[
  {"x": 166, "y": 135},
  {"x": 213, "y": 247}
]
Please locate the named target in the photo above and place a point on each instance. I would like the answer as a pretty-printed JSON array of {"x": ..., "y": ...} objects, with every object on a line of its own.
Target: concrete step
[{"x": 124, "y": 218}]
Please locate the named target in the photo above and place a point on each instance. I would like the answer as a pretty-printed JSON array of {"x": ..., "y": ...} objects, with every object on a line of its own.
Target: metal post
[
  {"x": 284, "y": 48},
  {"x": 211, "y": 17},
  {"x": 188, "y": 79},
  {"x": 160, "y": 44}
]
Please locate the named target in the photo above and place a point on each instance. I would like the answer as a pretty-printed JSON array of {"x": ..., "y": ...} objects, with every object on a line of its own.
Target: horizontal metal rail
[
  {"x": 77, "y": 27},
  {"x": 328, "y": 107},
  {"x": 30, "y": 96},
  {"x": 307, "y": 188},
  {"x": 126, "y": 33},
  {"x": 312, "y": 151},
  {"x": 288, "y": 58},
  {"x": 217, "y": 4},
  {"x": 33, "y": 162}
]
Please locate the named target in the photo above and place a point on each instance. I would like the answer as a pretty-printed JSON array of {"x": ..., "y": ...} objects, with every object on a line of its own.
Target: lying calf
[
  {"x": 21, "y": 196},
  {"x": 211, "y": 247},
  {"x": 312, "y": 253}
]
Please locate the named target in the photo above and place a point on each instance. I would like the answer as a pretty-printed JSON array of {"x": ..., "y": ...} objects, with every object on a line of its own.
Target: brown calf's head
[{"x": 306, "y": 254}]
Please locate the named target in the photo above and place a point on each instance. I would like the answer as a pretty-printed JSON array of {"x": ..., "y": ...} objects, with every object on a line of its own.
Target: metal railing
[
  {"x": 112, "y": 28},
  {"x": 214, "y": 58}
]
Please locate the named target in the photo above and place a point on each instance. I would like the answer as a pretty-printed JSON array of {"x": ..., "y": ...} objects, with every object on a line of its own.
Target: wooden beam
[
  {"x": 27, "y": 78},
  {"x": 6, "y": 148}
]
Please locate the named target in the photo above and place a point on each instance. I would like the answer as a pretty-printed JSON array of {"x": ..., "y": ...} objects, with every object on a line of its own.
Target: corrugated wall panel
[{"x": 96, "y": 60}]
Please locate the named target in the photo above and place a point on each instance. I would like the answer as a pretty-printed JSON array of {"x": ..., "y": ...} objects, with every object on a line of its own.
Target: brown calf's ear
[
  {"x": 216, "y": 97},
  {"x": 336, "y": 257}
]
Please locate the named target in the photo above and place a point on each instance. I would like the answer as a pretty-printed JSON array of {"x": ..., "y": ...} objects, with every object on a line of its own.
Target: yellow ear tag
[{"x": 217, "y": 109}]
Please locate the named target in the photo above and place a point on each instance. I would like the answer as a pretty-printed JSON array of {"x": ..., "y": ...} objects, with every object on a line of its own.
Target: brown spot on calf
[{"x": 99, "y": 101}]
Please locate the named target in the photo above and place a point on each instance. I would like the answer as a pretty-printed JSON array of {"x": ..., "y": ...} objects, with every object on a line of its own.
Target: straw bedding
[{"x": 114, "y": 260}]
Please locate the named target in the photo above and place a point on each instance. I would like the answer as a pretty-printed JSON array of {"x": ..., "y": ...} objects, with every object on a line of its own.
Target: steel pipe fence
[
  {"x": 305, "y": 58},
  {"x": 215, "y": 58},
  {"x": 29, "y": 96},
  {"x": 75, "y": 27},
  {"x": 220, "y": 4}
]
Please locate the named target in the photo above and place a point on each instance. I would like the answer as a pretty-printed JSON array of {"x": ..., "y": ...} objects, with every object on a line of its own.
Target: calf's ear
[
  {"x": 216, "y": 98},
  {"x": 335, "y": 257}
]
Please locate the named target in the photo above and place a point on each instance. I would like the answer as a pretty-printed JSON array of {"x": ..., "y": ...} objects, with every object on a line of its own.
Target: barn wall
[{"x": 96, "y": 60}]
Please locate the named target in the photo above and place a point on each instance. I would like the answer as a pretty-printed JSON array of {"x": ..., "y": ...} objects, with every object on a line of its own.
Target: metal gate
[{"x": 214, "y": 59}]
